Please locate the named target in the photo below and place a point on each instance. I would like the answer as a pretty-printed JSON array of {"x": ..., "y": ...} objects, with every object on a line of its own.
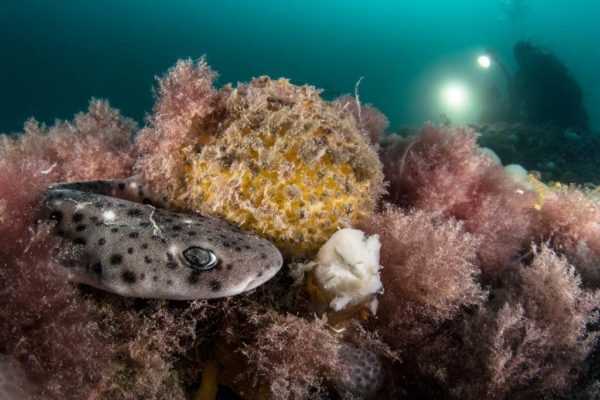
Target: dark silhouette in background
[
  {"x": 536, "y": 119},
  {"x": 541, "y": 92}
]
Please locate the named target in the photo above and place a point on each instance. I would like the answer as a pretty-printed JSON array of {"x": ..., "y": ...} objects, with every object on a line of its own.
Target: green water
[{"x": 56, "y": 55}]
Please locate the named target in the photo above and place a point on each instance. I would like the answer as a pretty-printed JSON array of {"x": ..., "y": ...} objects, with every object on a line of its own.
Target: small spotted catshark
[{"x": 137, "y": 249}]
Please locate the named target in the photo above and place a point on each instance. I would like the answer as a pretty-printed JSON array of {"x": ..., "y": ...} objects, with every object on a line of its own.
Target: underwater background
[
  {"x": 303, "y": 233},
  {"x": 56, "y": 55}
]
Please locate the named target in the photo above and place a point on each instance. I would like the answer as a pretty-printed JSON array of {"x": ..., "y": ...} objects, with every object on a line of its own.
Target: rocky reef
[{"x": 485, "y": 286}]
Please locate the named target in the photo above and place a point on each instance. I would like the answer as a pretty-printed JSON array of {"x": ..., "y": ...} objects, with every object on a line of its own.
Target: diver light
[
  {"x": 455, "y": 95},
  {"x": 484, "y": 61}
]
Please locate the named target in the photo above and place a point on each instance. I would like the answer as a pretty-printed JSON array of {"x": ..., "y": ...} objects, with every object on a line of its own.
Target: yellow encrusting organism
[
  {"x": 282, "y": 162},
  {"x": 541, "y": 190},
  {"x": 208, "y": 386}
]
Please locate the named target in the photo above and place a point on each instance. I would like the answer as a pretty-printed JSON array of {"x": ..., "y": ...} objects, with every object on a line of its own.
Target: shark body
[{"x": 137, "y": 249}]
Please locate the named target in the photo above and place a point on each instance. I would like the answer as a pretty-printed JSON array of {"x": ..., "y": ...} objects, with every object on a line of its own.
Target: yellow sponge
[{"x": 279, "y": 160}]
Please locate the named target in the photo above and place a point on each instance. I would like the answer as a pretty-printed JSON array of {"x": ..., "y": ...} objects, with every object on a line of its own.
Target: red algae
[
  {"x": 45, "y": 325},
  {"x": 485, "y": 295},
  {"x": 443, "y": 170}
]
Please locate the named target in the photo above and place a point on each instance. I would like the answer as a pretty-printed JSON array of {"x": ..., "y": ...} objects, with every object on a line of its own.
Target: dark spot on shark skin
[
  {"x": 121, "y": 186},
  {"x": 194, "y": 277},
  {"x": 80, "y": 228},
  {"x": 238, "y": 249},
  {"x": 114, "y": 230},
  {"x": 263, "y": 256},
  {"x": 191, "y": 233},
  {"x": 155, "y": 278},
  {"x": 128, "y": 276},
  {"x": 80, "y": 240},
  {"x": 134, "y": 212},
  {"x": 130, "y": 250},
  {"x": 144, "y": 224},
  {"x": 147, "y": 260},
  {"x": 171, "y": 265},
  {"x": 122, "y": 205},
  {"x": 144, "y": 245},
  {"x": 93, "y": 218},
  {"x": 56, "y": 216},
  {"x": 176, "y": 227},
  {"x": 96, "y": 268},
  {"x": 101, "y": 242},
  {"x": 134, "y": 235},
  {"x": 99, "y": 204},
  {"x": 77, "y": 217},
  {"x": 259, "y": 274},
  {"x": 169, "y": 282},
  {"x": 116, "y": 259},
  {"x": 214, "y": 285},
  {"x": 229, "y": 267}
]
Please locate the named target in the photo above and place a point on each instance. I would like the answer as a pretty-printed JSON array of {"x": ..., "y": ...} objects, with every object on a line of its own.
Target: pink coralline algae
[
  {"x": 45, "y": 325},
  {"x": 430, "y": 273},
  {"x": 490, "y": 287},
  {"x": 443, "y": 170}
]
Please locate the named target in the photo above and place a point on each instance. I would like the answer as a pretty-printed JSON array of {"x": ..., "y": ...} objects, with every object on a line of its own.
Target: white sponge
[
  {"x": 348, "y": 269},
  {"x": 519, "y": 175}
]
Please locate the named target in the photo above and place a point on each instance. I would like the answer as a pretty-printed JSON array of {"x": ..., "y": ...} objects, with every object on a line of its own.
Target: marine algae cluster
[
  {"x": 270, "y": 156},
  {"x": 492, "y": 287}
]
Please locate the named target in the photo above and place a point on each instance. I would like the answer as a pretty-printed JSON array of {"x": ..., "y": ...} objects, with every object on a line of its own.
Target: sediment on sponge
[{"x": 272, "y": 157}]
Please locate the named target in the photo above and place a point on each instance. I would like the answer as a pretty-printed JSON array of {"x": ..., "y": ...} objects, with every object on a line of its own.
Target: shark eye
[{"x": 199, "y": 258}]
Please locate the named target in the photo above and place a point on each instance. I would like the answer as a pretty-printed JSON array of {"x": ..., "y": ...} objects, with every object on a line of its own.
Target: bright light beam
[
  {"x": 455, "y": 96},
  {"x": 484, "y": 61}
]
